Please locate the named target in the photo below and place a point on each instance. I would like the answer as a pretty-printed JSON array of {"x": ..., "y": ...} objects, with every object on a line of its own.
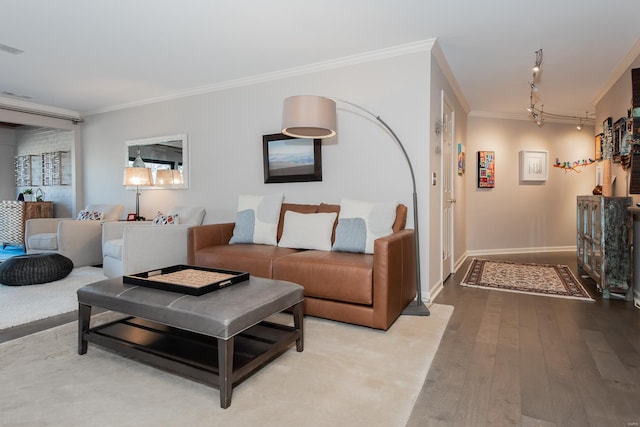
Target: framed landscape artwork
[
  {"x": 486, "y": 169},
  {"x": 289, "y": 159}
]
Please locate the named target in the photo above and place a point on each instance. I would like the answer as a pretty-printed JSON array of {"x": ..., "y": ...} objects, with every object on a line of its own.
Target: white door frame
[{"x": 447, "y": 201}]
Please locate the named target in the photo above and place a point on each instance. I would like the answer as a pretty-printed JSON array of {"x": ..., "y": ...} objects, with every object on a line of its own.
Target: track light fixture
[
  {"x": 538, "y": 64},
  {"x": 537, "y": 115}
]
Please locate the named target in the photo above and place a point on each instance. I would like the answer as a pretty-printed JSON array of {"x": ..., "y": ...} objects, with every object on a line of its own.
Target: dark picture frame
[
  {"x": 598, "y": 146},
  {"x": 618, "y": 132},
  {"x": 290, "y": 159},
  {"x": 131, "y": 217}
]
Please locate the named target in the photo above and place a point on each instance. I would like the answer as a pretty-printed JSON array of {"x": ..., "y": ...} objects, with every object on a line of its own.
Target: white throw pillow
[
  {"x": 307, "y": 231},
  {"x": 257, "y": 219},
  {"x": 360, "y": 223}
]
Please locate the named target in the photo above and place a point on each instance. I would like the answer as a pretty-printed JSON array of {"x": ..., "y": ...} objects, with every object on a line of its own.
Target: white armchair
[
  {"x": 80, "y": 241},
  {"x": 134, "y": 247}
]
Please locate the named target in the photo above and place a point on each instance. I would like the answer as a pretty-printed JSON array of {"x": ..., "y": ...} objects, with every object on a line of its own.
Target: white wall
[
  {"x": 225, "y": 131},
  {"x": 522, "y": 217}
]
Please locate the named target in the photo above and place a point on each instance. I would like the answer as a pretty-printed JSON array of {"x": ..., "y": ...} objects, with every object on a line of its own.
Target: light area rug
[
  {"x": 23, "y": 304},
  {"x": 346, "y": 376},
  {"x": 534, "y": 279}
]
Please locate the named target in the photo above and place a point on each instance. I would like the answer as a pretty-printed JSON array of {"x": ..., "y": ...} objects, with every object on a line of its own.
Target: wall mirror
[{"x": 166, "y": 156}]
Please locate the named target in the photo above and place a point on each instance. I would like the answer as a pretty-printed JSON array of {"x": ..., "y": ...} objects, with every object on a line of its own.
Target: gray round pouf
[{"x": 34, "y": 269}]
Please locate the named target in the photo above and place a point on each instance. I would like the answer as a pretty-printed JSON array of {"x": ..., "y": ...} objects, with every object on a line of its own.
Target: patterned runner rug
[{"x": 536, "y": 279}]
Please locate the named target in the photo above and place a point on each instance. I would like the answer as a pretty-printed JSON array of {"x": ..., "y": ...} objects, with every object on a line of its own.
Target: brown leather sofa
[{"x": 363, "y": 289}]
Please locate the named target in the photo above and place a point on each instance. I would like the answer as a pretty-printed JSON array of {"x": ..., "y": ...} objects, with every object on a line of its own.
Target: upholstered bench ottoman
[
  {"x": 218, "y": 338},
  {"x": 33, "y": 269}
]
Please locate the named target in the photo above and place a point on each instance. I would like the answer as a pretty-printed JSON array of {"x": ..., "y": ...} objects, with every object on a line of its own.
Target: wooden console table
[{"x": 14, "y": 215}]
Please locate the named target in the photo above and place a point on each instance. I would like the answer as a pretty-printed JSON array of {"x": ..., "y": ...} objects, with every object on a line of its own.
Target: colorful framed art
[
  {"x": 486, "y": 169},
  {"x": 461, "y": 151}
]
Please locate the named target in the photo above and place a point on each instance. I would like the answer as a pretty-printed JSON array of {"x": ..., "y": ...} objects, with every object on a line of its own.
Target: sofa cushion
[
  {"x": 255, "y": 259},
  {"x": 44, "y": 241},
  {"x": 113, "y": 248},
  {"x": 257, "y": 219},
  {"x": 361, "y": 223},
  {"x": 308, "y": 231},
  {"x": 337, "y": 276}
]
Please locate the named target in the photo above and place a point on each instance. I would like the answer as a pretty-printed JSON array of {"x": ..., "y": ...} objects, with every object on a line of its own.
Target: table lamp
[{"x": 137, "y": 176}]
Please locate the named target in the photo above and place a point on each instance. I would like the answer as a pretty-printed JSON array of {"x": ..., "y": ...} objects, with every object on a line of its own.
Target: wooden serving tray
[{"x": 187, "y": 279}]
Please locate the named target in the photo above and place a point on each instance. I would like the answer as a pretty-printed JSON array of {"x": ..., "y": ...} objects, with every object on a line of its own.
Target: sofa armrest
[
  {"x": 80, "y": 241},
  {"x": 394, "y": 275},
  {"x": 146, "y": 247},
  {"x": 204, "y": 236}
]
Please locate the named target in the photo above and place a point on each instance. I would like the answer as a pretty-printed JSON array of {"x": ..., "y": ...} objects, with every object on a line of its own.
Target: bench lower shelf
[{"x": 192, "y": 355}]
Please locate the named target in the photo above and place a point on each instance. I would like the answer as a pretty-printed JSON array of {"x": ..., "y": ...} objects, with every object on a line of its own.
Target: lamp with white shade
[
  {"x": 137, "y": 175},
  {"x": 168, "y": 177},
  {"x": 311, "y": 116}
]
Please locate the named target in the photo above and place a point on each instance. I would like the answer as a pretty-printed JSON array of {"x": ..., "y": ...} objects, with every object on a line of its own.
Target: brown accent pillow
[{"x": 401, "y": 218}]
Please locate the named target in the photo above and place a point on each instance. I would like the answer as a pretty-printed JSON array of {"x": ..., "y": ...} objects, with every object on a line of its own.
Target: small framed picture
[
  {"x": 131, "y": 217},
  {"x": 533, "y": 165}
]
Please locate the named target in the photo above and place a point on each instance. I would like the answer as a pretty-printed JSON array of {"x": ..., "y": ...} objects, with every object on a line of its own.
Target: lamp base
[{"x": 416, "y": 308}]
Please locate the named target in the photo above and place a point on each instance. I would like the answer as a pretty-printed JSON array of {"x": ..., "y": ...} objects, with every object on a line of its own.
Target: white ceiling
[{"x": 91, "y": 56}]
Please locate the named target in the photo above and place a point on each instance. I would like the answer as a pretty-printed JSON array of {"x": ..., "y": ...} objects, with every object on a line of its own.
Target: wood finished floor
[
  {"x": 509, "y": 359},
  {"x": 516, "y": 360}
]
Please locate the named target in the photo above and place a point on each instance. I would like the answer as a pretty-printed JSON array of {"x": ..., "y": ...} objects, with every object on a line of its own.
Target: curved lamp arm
[{"x": 319, "y": 106}]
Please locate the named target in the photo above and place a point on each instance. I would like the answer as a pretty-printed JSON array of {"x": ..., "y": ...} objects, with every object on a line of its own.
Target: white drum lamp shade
[{"x": 309, "y": 116}]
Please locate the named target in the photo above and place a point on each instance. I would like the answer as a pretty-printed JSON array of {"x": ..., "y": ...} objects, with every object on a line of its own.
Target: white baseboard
[
  {"x": 507, "y": 251},
  {"x": 433, "y": 292}
]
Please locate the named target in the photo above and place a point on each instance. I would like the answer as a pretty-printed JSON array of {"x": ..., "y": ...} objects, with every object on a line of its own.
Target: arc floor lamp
[{"x": 311, "y": 116}]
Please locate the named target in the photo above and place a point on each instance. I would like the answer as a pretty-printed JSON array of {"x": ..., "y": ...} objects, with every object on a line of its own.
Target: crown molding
[
  {"x": 619, "y": 71},
  {"x": 361, "y": 58},
  {"x": 40, "y": 109}
]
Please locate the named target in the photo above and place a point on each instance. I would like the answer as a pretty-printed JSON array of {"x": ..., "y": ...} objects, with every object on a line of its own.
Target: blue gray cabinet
[{"x": 605, "y": 242}]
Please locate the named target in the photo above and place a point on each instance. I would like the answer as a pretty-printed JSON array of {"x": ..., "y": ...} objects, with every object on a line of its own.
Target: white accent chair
[
  {"x": 135, "y": 247},
  {"x": 80, "y": 241}
]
